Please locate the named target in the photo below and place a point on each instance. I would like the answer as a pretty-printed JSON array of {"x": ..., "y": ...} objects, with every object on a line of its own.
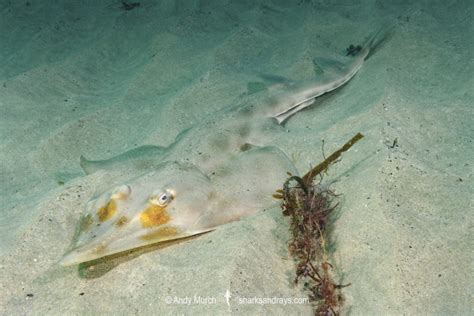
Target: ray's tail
[
  {"x": 374, "y": 42},
  {"x": 335, "y": 73}
]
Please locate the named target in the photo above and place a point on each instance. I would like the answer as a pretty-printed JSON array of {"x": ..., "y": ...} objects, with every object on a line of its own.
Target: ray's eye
[{"x": 162, "y": 199}]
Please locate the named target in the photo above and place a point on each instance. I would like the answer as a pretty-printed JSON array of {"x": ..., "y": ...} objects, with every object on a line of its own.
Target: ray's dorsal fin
[
  {"x": 277, "y": 80},
  {"x": 270, "y": 83},
  {"x": 329, "y": 65}
]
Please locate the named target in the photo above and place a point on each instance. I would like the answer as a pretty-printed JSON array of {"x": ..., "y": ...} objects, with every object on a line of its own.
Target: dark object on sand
[
  {"x": 353, "y": 50},
  {"x": 309, "y": 206},
  {"x": 129, "y": 6}
]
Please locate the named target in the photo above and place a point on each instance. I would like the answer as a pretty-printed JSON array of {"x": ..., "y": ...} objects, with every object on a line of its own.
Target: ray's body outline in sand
[{"x": 189, "y": 187}]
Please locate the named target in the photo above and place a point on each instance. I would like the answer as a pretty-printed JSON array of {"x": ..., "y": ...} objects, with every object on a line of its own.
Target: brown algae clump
[{"x": 309, "y": 206}]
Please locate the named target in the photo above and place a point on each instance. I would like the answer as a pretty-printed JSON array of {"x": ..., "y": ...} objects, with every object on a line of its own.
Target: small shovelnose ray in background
[{"x": 216, "y": 172}]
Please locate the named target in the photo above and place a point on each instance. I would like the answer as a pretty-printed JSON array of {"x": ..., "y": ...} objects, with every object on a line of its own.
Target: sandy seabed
[{"x": 87, "y": 77}]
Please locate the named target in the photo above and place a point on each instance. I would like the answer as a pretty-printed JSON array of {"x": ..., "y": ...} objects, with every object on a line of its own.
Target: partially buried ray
[
  {"x": 177, "y": 200},
  {"x": 216, "y": 172}
]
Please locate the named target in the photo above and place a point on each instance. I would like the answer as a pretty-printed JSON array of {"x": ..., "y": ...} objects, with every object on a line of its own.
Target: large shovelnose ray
[{"x": 214, "y": 173}]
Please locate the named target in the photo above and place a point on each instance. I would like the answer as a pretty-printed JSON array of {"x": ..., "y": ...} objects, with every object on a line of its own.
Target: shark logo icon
[{"x": 227, "y": 296}]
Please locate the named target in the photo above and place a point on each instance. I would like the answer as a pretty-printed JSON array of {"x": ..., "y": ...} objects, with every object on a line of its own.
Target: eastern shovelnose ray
[{"x": 214, "y": 173}]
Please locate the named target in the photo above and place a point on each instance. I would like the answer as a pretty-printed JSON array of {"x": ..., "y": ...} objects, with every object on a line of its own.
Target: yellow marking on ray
[
  {"x": 154, "y": 215},
  {"x": 100, "y": 249},
  {"x": 121, "y": 221},
  {"x": 160, "y": 234},
  {"x": 106, "y": 212}
]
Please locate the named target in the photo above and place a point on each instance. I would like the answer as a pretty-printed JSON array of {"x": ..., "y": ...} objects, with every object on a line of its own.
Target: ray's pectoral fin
[
  {"x": 141, "y": 158},
  {"x": 245, "y": 184}
]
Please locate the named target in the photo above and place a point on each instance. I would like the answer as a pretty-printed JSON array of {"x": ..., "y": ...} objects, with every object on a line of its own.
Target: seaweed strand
[
  {"x": 309, "y": 206},
  {"x": 308, "y": 177}
]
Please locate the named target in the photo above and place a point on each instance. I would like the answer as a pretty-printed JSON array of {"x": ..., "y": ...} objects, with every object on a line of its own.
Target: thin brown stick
[{"x": 308, "y": 178}]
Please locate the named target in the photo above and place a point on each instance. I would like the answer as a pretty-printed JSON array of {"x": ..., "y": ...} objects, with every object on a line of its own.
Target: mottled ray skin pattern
[{"x": 218, "y": 171}]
